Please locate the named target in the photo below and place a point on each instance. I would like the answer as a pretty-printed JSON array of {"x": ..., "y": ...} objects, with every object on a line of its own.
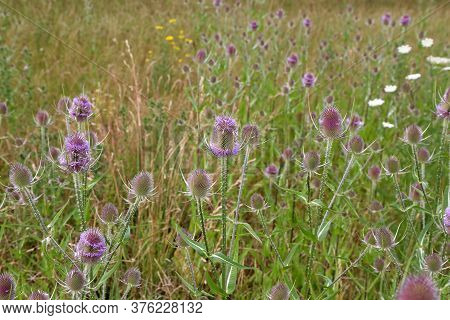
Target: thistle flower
[
  {"x": 405, "y": 20},
  {"x": 308, "y": 80},
  {"x": 20, "y": 176},
  {"x": 330, "y": 123},
  {"x": 386, "y": 19},
  {"x": 413, "y": 134},
  {"x": 81, "y": 108},
  {"x": 91, "y": 246},
  {"x": 307, "y": 23},
  {"x": 42, "y": 118},
  {"x": 39, "y": 295},
  {"x": 311, "y": 161},
  {"x": 109, "y": 214},
  {"x": 433, "y": 262},
  {"x": 423, "y": 155},
  {"x": 63, "y": 105},
  {"x": 132, "y": 277},
  {"x": 75, "y": 281},
  {"x": 199, "y": 183},
  {"x": 223, "y": 142},
  {"x": 250, "y": 134},
  {"x": 420, "y": 287},
  {"x": 253, "y": 25},
  {"x": 77, "y": 155},
  {"x": 271, "y": 171},
  {"x": 356, "y": 144},
  {"x": 7, "y": 287},
  {"x": 384, "y": 238},
  {"x": 3, "y": 108},
  {"x": 446, "y": 220},
  {"x": 292, "y": 60},
  {"x": 279, "y": 292},
  {"x": 355, "y": 122},
  {"x": 142, "y": 186},
  {"x": 374, "y": 173},
  {"x": 257, "y": 202},
  {"x": 201, "y": 55},
  {"x": 392, "y": 165}
]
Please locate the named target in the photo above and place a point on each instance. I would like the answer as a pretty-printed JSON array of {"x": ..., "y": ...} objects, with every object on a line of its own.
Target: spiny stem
[
  {"x": 76, "y": 183},
  {"x": 224, "y": 188},
  {"x": 440, "y": 155},
  {"x": 108, "y": 236},
  {"x": 326, "y": 166},
  {"x": 266, "y": 231},
  {"x": 202, "y": 221},
  {"x": 191, "y": 268},
  {"x": 419, "y": 175},
  {"x": 397, "y": 186},
  {"x": 127, "y": 290},
  {"x": 349, "y": 267},
  {"x": 312, "y": 244}
]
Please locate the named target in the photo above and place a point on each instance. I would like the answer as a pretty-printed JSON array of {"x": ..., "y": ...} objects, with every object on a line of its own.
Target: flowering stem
[
  {"x": 76, "y": 183},
  {"x": 43, "y": 142},
  {"x": 349, "y": 267},
  {"x": 326, "y": 166},
  {"x": 127, "y": 290},
  {"x": 224, "y": 188},
  {"x": 44, "y": 228},
  {"x": 439, "y": 171},
  {"x": 419, "y": 175},
  {"x": 108, "y": 236},
  {"x": 266, "y": 231},
  {"x": 312, "y": 245},
  {"x": 241, "y": 188},
  {"x": 202, "y": 221},
  {"x": 398, "y": 189}
]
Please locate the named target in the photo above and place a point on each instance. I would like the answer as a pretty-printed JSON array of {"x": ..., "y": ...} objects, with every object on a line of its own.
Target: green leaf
[
  {"x": 250, "y": 230},
  {"x": 197, "y": 246},
  {"x": 220, "y": 257},
  {"x": 323, "y": 230},
  {"x": 107, "y": 275},
  {"x": 307, "y": 233},
  {"x": 92, "y": 184},
  {"x": 57, "y": 215},
  {"x": 215, "y": 288},
  {"x": 189, "y": 286},
  {"x": 291, "y": 254},
  {"x": 231, "y": 278}
]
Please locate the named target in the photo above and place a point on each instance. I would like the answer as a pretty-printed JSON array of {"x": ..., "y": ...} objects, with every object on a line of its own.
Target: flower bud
[
  {"x": 132, "y": 277},
  {"x": 413, "y": 134},
  {"x": 109, "y": 214},
  {"x": 392, "y": 165},
  {"x": 42, "y": 118},
  {"x": 75, "y": 280},
  {"x": 330, "y": 123},
  {"x": 39, "y": 295},
  {"x": 20, "y": 176},
  {"x": 199, "y": 183},
  {"x": 142, "y": 185},
  {"x": 311, "y": 161},
  {"x": 257, "y": 202}
]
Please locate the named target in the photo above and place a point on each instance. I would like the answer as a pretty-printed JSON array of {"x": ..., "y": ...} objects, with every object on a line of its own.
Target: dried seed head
[
  {"x": 413, "y": 134},
  {"x": 434, "y": 262},
  {"x": 374, "y": 173},
  {"x": 378, "y": 264},
  {"x": 132, "y": 277},
  {"x": 81, "y": 108},
  {"x": 384, "y": 238},
  {"x": 20, "y": 176},
  {"x": 369, "y": 238},
  {"x": 142, "y": 185},
  {"x": 257, "y": 202},
  {"x": 91, "y": 247},
  {"x": 109, "y": 214},
  {"x": 279, "y": 292},
  {"x": 250, "y": 134},
  {"x": 3, "y": 108},
  {"x": 356, "y": 144},
  {"x": 223, "y": 142},
  {"x": 7, "y": 287},
  {"x": 199, "y": 183},
  {"x": 392, "y": 165},
  {"x": 420, "y": 287},
  {"x": 39, "y": 295},
  {"x": 75, "y": 280},
  {"x": 330, "y": 123},
  {"x": 42, "y": 118},
  {"x": 311, "y": 161},
  {"x": 423, "y": 155}
]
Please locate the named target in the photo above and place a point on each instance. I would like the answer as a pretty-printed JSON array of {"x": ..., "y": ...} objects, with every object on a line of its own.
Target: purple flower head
[
  {"x": 280, "y": 13},
  {"x": 3, "y": 108},
  {"x": 420, "y": 287},
  {"x": 392, "y": 165},
  {"x": 308, "y": 80},
  {"x": 142, "y": 186},
  {"x": 7, "y": 287},
  {"x": 39, "y": 295},
  {"x": 20, "y": 176},
  {"x": 132, "y": 277},
  {"x": 231, "y": 50},
  {"x": 42, "y": 118},
  {"x": 386, "y": 19},
  {"x": 217, "y": 3},
  {"x": 254, "y": 25},
  {"x": 91, "y": 247},
  {"x": 447, "y": 220},
  {"x": 307, "y": 23},
  {"x": 199, "y": 183},
  {"x": 356, "y": 144},
  {"x": 77, "y": 155},
  {"x": 405, "y": 20},
  {"x": 413, "y": 134},
  {"x": 279, "y": 292},
  {"x": 287, "y": 154},
  {"x": 330, "y": 122},
  {"x": 81, "y": 108},
  {"x": 271, "y": 171},
  {"x": 355, "y": 122},
  {"x": 374, "y": 173},
  {"x": 223, "y": 142},
  {"x": 201, "y": 55},
  {"x": 75, "y": 280},
  {"x": 292, "y": 60},
  {"x": 443, "y": 108}
]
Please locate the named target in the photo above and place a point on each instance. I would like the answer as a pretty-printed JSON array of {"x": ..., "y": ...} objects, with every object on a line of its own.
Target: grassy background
[{"x": 144, "y": 112}]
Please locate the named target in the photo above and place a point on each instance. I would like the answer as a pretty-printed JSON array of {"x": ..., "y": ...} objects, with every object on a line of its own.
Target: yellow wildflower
[
  {"x": 172, "y": 21},
  {"x": 188, "y": 40},
  {"x": 169, "y": 38},
  {"x": 159, "y": 27}
]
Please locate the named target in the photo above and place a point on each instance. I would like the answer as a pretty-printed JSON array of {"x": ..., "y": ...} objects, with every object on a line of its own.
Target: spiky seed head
[
  {"x": 392, "y": 165},
  {"x": 280, "y": 291},
  {"x": 443, "y": 108},
  {"x": 415, "y": 192},
  {"x": 434, "y": 262},
  {"x": 271, "y": 171},
  {"x": 375, "y": 206},
  {"x": 423, "y": 155},
  {"x": 369, "y": 238},
  {"x": 250, "y": 134},
  {"x": 39, "y": 295},
  {"x": 81, "y": 108},
  {"x": 91, "y": 247},
  {"x": 356, "y": 144},
  {"x": 199, "y": 183},
  {"x": 308, "y": 80},
  {"x": 413, "y": 134},
  {"x": 109, "y": 214},
  {"x": 418, "y": 287},
  {"x": 142, "y": 185},
  {"x": 374, "y": 173},
  {"x": 42, "y": 118},
  {"x": 7, "y": 287},
  {"x": 384, "y": 238},
  {"x": 378, "y": 264},
  {"x": 3, "y": 108},
  {"x": 132, "y": 277},
  {"x": 311, "y": 161},
  {"x": 257, "y": 202},
  {"x": 446, "y": 220},
  {"x": 75, "y": 280},
  {"x": 20, "y": 176},
  {"x": 330, "y": 122},
  {"x": 223, "y": 142}
]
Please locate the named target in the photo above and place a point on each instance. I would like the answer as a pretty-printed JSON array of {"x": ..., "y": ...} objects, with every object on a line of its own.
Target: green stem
[
  {"x": 349, "y": 267},
  {"x": 202, "y": 221},
  {"x": 224, "y": 188},
  {"x": 326, "y": 166},
  {"x": 76, "y": 183},
  {"x": 127, "y": 290},
  {"x": 266, "y": 232},
  {"x": 397, "y": 186},
  {"x": 191, "y": 268},
  {"x": 108, "y": 236},
  {"x": 419, "y": 175}
]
